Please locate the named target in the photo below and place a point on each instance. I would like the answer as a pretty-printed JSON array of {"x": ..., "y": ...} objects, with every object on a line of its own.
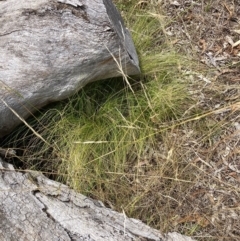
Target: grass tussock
[
  {"x": 99, "y": 137},
  {"x": 101, "y": 132}
]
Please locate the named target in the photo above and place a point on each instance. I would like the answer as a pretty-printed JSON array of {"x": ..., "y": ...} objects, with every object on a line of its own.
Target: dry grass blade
[
  {"x": 120, "y": 67},
  {"x": 25, "y": 123}
]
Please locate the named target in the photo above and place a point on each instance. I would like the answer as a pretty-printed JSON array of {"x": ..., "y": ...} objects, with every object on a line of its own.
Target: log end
[{"x": 124, "y": 35}]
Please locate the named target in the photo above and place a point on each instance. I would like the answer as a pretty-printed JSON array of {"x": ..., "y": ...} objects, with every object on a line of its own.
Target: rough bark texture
[
  {"x": 33, "y": 207},
  {"x": 49, "y": 49}
]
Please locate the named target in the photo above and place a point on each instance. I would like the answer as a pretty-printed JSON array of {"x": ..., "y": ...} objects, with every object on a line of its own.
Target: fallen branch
[{"x": 33, "y": 207}]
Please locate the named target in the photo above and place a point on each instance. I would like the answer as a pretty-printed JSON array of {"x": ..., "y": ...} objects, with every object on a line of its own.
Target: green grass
[
  {"x": 153, "y": 150},
  {"x": 100, "y": 136},
  {"x": 105, "y": 128}
]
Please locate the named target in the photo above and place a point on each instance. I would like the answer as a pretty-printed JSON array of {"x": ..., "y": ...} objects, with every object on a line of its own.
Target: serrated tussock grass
[
  {"x": 105, "y": 128},
  {"x": 102, "y": 140}
]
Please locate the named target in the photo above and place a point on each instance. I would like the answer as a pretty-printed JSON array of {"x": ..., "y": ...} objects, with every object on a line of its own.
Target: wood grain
[{"x": 51, "y": 49}]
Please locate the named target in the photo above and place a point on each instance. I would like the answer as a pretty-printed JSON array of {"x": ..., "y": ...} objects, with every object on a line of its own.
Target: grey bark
[
  {"x": 49, "y": 49},
  {"x": 32, "y": 207}
]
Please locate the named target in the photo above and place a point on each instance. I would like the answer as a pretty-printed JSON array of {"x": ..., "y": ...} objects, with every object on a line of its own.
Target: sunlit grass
[
  {"x": 105, "y": 128},
  {"x": 103, "y": 139}
]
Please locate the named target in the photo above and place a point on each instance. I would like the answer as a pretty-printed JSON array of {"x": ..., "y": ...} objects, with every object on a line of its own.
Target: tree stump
[{"x": 49, "y": 49}]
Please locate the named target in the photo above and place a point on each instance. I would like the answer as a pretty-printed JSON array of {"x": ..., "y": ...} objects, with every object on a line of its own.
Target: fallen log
[
  {"x": 33, "y": 207},
  {"x": 49, "y": 49}
]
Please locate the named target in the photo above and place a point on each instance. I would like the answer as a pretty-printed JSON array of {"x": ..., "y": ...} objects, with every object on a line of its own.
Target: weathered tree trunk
[
  {"x": 33, "y": 207},
  {"x": 49, "y": 49}
]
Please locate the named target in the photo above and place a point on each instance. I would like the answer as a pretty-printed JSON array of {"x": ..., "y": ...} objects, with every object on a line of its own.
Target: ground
[
  {"x": 188, "y": 179},
  {"x": 209, "y": 31}
]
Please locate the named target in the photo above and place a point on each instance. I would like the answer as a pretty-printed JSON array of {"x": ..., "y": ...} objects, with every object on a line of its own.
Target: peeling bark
[
  {"x": 33, "y": 207},
  {"x": 49, "y": 49}
]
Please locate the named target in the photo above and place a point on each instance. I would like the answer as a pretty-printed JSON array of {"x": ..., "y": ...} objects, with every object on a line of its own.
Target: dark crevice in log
[{"x": 79, "y": 11}]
